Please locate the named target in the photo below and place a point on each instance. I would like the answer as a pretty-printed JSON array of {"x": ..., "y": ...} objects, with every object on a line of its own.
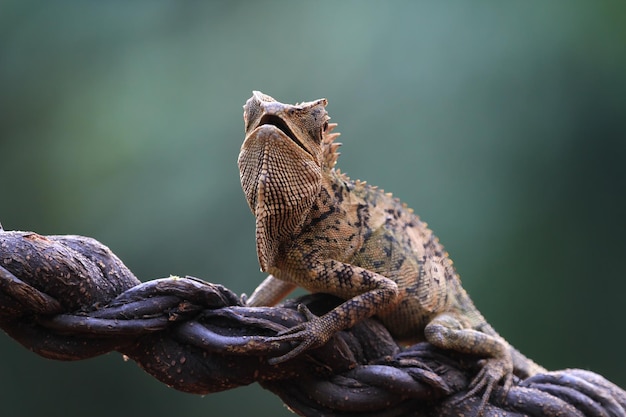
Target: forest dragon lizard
[{"x": 317, "y": 229}]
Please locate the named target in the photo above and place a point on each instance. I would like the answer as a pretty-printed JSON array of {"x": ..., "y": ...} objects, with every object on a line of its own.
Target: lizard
[{"x": 318, "y": 229}]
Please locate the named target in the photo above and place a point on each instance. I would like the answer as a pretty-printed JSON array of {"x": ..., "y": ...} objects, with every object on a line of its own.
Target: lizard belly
[
  {"x": 418, "y": 265},
  {"x": 406, "y": 321}
]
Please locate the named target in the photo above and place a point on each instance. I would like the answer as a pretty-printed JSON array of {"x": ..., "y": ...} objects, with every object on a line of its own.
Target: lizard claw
[
  {"x": 492, "y": 372},
  {"x": 307, "y": 335}
]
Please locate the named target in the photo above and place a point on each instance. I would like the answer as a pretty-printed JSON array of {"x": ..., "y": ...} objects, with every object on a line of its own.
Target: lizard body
[{"x": 317, "y": 229}]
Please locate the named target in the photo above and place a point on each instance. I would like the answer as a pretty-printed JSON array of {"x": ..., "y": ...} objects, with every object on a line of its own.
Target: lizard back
[{"x": 362, "y": 225}]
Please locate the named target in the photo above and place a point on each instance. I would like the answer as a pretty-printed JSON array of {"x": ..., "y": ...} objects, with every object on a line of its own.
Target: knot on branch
[{"x": 71, "y": 298}]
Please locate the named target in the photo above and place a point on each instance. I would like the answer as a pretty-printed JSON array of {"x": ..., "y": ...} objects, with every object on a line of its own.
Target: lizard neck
[{"x": 281, "y": 196}]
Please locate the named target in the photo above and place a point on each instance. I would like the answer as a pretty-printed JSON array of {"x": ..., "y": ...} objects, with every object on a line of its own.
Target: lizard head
[
  {"x": 280, "y": 167},
  {"x": 302, "y": 125}
]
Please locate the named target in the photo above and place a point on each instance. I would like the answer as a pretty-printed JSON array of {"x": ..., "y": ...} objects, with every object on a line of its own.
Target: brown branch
[{"x": 71, "y": 298}]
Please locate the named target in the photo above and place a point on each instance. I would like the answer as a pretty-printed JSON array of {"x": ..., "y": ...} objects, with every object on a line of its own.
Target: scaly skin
[{"x": 317, "y": 229}]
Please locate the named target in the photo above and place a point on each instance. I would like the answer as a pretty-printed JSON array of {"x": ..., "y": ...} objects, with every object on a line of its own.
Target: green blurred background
[{"x": 501, "y": 123}]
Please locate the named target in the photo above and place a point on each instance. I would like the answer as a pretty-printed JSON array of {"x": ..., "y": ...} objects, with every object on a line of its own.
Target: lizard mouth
[{"x": 270, "y": 119}]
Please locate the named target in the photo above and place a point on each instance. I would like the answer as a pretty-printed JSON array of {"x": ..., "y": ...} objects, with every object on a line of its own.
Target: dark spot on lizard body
[
  {"x": 320, "y": 217},
  {"x": 377, "y": 263},
  {"x": 398, "y": 263},
  {"x": 339, "y": 189},
  {"x": 362, "y": 216}
]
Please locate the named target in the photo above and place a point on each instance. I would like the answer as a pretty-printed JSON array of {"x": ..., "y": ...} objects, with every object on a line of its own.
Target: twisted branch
[{"x": 71, "y": 298}]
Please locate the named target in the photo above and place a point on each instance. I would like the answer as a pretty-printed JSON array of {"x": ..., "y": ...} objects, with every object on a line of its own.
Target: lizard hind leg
[{"x": 446, "y": 331}]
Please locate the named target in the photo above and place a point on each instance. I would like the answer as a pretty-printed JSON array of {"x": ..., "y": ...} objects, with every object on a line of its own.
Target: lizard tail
[{"x": 524, "y": 367}]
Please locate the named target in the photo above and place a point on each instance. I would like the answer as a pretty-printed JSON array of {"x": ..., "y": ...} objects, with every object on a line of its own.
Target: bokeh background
[{"x": 503, "y": 124}]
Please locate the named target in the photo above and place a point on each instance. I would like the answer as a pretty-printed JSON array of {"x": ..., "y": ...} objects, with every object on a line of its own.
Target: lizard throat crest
[{"x": 281, "y": 180}]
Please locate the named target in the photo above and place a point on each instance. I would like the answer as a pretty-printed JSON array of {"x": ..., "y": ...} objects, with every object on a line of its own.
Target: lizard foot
[
  {"x": 308, "y": 335},
  {"x": 492, "y": 372}
]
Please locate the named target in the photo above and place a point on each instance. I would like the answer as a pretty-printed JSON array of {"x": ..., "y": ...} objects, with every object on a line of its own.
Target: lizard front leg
[
  {"x": 447, "y": 331},
  {"x": 367, "y": 293},
  {"x": 270, "y": 292}
]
